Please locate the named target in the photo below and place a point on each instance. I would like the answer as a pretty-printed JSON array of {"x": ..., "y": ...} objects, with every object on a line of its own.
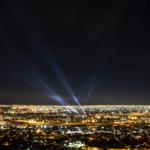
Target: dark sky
[{"x": 98, "y": 52}]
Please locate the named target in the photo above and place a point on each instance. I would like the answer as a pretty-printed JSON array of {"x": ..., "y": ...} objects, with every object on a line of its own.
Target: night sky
[{"x": 96, "y": 52}]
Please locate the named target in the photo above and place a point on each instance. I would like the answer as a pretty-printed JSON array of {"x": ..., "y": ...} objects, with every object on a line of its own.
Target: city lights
[{"x": 103, "y": 126}]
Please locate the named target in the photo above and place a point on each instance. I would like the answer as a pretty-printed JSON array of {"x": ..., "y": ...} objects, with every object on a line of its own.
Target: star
[{"x": 73, "y": 18}]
